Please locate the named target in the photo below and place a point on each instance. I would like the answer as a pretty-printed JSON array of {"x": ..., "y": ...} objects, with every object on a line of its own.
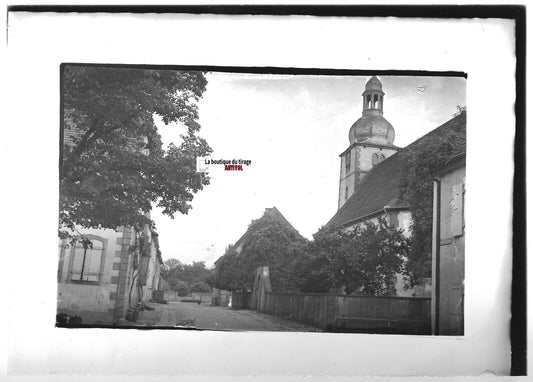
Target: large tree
[
  {"x": 186, "y": 278},
  {"x": 113, "y": 167},
  {"x": 363, "y": 260}
]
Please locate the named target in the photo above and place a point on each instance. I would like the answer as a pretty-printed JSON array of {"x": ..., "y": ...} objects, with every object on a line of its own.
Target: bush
[{"x": 363, "y": 260}]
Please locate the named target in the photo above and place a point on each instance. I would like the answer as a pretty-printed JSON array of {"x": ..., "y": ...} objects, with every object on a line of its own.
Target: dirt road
[{"x": 204, "y": 316}]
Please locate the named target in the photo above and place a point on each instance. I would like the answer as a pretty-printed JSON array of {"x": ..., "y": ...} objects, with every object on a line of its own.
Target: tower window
[
  {"x": 376, "y": 101},
  {"x": 346, "y": 193},
  {"x": 348, "y": 161},
  {"x": 368, "y": 100},
  {"x": 377, "y": 158}
]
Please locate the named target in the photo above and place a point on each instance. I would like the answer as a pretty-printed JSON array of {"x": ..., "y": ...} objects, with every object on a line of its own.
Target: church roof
[
  {"x": 372, "y": 128},
  {"x": 380, "y": 188}
]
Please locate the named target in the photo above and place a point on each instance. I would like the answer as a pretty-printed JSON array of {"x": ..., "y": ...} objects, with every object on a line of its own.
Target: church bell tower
[{"x": 371, "y": 140}]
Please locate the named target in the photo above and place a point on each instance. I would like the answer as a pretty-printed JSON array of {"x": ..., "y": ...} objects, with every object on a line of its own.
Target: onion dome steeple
[{"x": 372, "y": 127}]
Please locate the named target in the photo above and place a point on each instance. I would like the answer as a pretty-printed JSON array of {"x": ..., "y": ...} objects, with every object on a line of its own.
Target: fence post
[{"x": 261, "y": 287}]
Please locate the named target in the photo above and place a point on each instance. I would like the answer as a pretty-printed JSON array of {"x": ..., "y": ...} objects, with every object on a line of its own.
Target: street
[{"x": 204, "y": 316}]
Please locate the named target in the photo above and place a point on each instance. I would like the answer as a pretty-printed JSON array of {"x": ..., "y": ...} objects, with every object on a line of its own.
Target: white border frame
[{"x": 38, "y": 43}]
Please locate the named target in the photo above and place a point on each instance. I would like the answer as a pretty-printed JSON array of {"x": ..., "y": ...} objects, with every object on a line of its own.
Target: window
[
  {"x": 86, "y": 262},
  {"x": 393, "y": 220},
  {"x": 377, "y": 158},
  {"x": 348, "y": 161}
]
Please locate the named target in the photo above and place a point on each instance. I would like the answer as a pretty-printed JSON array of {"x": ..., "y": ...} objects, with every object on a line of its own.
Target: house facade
[
  {"x": 100, "y": 281},
  {"x": 448, "y": 255},
  {"x": 103, "y": 273}
]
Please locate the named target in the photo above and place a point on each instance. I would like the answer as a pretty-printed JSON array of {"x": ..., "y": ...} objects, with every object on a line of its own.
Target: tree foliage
[
  {"x": 267, "y": 242},
  {"x": 187, "y": 278},
  {"x": 363, "y": 260},
  {"x": 113, "y": 167},
  {"x": 418, "y": 166}
]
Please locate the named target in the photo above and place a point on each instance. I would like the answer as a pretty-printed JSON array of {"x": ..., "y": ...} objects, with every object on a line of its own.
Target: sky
[{"x": 292, "y": 128}]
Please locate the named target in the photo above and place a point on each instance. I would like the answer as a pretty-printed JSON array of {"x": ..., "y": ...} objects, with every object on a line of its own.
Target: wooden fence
[
  {"x": 404, "y": 314},
  {"x": 241, "y": 300},
  {"x": 221, "y": 297},
  {"x": 204, "y": 297}
]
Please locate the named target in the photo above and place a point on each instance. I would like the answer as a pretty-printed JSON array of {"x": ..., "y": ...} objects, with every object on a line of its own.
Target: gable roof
[
  {"x": 380, "y": 188},
  {"x": 271, "y": 214}
]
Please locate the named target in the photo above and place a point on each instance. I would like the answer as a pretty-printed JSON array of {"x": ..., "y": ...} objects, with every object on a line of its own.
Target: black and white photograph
[
  {"x": 149, "y": 155},
  {"x": 238, "y": 192}
]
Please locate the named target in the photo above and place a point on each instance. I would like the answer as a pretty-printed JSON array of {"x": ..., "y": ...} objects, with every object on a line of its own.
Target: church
[
  {"x": 371, "y": 140},
  {"x": 368, "y": 190},
  {"x": 371, "y": 172}
]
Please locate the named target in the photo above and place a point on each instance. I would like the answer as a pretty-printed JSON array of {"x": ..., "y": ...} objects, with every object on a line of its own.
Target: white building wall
[{"x": 90, "y": 301}]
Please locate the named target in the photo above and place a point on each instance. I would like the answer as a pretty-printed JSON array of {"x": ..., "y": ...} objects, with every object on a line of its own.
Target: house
[
  {"x": 100, "y": 281},
  {"x": 104, "y": 274},
  {"x": 269, "y": 241},
  {"x": 372, "y": 172},
  {"x": 448, "y": 254}
]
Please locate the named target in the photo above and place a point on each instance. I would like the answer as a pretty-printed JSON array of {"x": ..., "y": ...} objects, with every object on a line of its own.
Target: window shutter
[
  {"x": 77, "y": 262},
  {"x": 90, "y": 270},
  {"x": 93, "y": 261},
  {"x": 456, "y": 206}
]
